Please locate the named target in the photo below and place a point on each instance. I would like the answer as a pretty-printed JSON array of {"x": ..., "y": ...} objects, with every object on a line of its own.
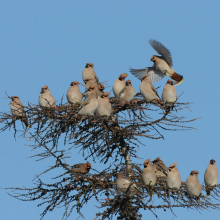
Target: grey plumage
[
  {"x": 17, "y": 109},
  {"x": 148, "y": 90},
  {"x": 119, "y": 84},
  {"x": 89, "y": 105},
  {"x": 104, "y": 106},
  {"x": 125, "y": 185},
  {"x": 148, "y": 174},
  {"x": 45, "y": 98},
  {"x": 169, "y": 94},
  {"x": 173, "y": 177},
  {"x": 73, "y": 93},
  {"x": 162, "y": 50},
  {"x": 127, "y": 93},
  {"x": 89, "y": 73},
  {"x": 160, "y": 168},
  {"x": 210, "y": 176},
  {"x": 193, "y": 186},
  {"x": 162, "y": 65}
]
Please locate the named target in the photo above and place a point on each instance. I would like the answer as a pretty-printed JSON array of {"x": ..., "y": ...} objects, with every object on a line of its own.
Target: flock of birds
[
  {"x": 157, "y": 170},
  {"x": 97, "y": 100}
]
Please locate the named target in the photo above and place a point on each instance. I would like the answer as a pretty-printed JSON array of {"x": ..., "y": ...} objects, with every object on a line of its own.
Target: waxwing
[
  {"x": 169, "y": 94},
  {"x": 98, "y": 88},
  {"x": 119, "y": 84},
  {"x": 89, "y": 73},
  {"x": 45, "y": 98},
  {"x": 148, "y": 90},
  {"x": 160, "y": 168},
  {"x": 90, "y": 104},
  {"x": 126, "y": 185},
  {"x": 17, "y": 109},
  {"x": 210, "y": 176},
  {"x": 148, "y": 174},
  {"x": 173, "y": 177},
  {"x": 90, "y": 82},
  {"x": 80, "y": 168},
  {"x": 162, "y": 65},
  {"x": 127, "y": 93},
  {"x": 104, "y": 106},
  {"x": 73, "y": 94},
  {"x": 193, "y": 187}
]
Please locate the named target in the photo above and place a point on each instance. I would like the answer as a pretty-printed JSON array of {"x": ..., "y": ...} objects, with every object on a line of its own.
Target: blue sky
[{"x": 49, "y": 43}]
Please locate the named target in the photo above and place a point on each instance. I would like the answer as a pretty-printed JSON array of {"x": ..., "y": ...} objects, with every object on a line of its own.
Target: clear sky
[{"x": 49, "y": 43}]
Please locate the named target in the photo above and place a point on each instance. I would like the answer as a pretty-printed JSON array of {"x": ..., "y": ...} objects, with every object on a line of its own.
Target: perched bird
[
  {"x": 193, "y": 187},
  {"x": 80, "y": 168},
  {"x": 173, "y": 177},
  {"x": 73, "y": 94},
  {"x": 148, "y": 174},
  {"x": 17, "y": 109},
  {"x": 90, "y": 104},
  {"x": 169, "y": 94},
  {"x": 90, "y": 82},
  {"x": 119, "y": 84},
  {"x": 126, "y": 185},
  {"x": 89, "y": 73},
  {"x": 160, "y": 168},
  {"x": 148, "y": 90},
  {"x": 127, "y": 93},
  {"x": 100, "y": 89},
  {"x": 210, "y": 176},
  {"x": 45, "y": 98},
  {"x": 104, "y": 106},
  {"x": 162, "y": 66}
]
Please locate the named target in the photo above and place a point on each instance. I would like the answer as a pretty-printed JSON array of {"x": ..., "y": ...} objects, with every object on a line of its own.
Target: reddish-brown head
[
  {"x": 212, "y": 161},
  {"x": 74, "y": 83},
  {"x": 173, "y": 166},
  {"x": 194, "y": 172},
  {"x": 44, "y": 87},
  {"x": 88, "y": 165},
  {"x": 105, "y": 95},
  {"x": 147, "y": 163},
  {"x": 128, "y": 82},
  {"x": 122, "y": 76},
  {"x": 89, "y": 65},
  {"x": 101, "y": 87},
  {"x": 153, "y": 58},
  {"x": 169, "y": 82},
  {"x": 91, "y": 88},
  {"x": 14, "y": 98}
]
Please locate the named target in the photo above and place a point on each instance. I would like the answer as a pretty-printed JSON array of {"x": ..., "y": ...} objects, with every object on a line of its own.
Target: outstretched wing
[
  {"x": 154, "y": 74},
  {"x": 162, "y": 50}
]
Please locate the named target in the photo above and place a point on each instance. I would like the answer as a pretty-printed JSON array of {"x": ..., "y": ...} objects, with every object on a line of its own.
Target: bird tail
[
  {"x": 207, "y": 192},
  {"x": 178, "y": 79},
  {"x": 167, "y": 110},
  {"x": 25, "y": 122}
]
